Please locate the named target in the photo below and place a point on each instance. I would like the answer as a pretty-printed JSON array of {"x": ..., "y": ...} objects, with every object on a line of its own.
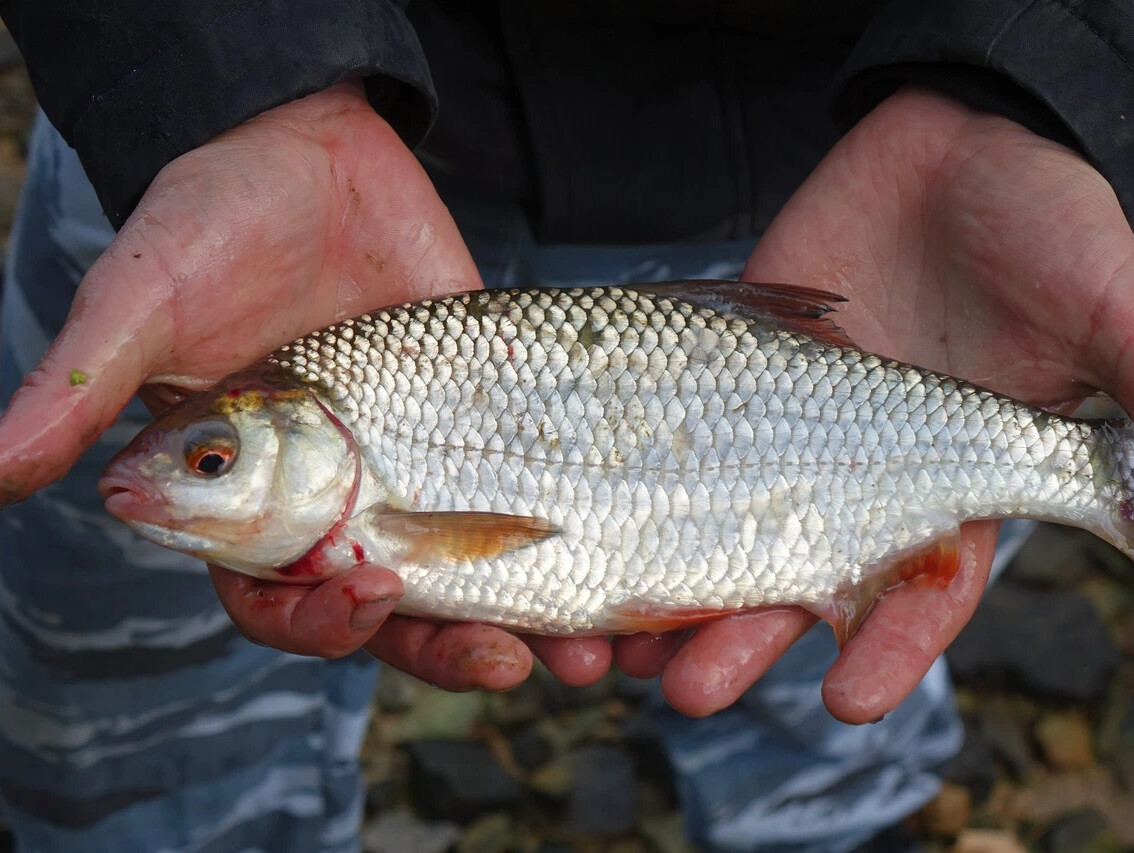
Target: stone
[
  {"x": 530, "y": 747},
  {"x": 439, "y": 714},
  {"x": 1049, "y": 644},
  {"x": 1007, "y": 737},
  {"x": 381, "y": 795},
  {"x": 399, "y": 831},
  {"x": 947, "y": 813},
  {"x": 492, "y": 833},
  {"x": 1065, "y": 739},
  {"x": 988, "y": 841},
  {"x": 893, "y": 839},
  {"x": 1085, "y": 832},
  {"x": 398, "y": 691},
  {"x": 555, "y": 779},
  {"x": 975, "y": 765},
  {"x": 651, "y": 761},
  {"x": 1052, "y": 557},
  {"x": 457, "y": 780},
  {"x": 604, "y": 792},
  {"x": 557, "y": 696},
  {"x": 667, "y": 833}
]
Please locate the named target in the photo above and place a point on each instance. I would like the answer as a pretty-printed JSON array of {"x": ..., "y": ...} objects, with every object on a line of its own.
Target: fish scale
[{"x": 691, "y": 458}]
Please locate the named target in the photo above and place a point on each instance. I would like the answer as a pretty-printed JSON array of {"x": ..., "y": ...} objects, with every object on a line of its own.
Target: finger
[
  {"x": 87, "y": 376},
  {"x": 724, "y": 658},
  {"x": 577, "y": 661},
  {"x": 453, "y": 656},
  {"x": 644, "y": 655},
  {"x": 329, "y": 620},
  {"x": 906, "y": 632}
]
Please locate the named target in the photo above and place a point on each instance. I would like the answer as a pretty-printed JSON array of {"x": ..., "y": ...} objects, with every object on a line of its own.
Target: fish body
[{"x": 618, "y": 459}]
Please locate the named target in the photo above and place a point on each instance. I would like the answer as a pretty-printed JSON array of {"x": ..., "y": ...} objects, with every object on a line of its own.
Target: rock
[
  {"x": 1124, "y": 766},
  {"x": 457, "y": 780},
  {"x": 1007, "y": 737},
  {"x": 399, "y": 831},
  {"x": 651, "y": 762},
  {"x": 988, "y": 841},
  {"x": 1053, "y": 557},
  {"x": 381, "y": 796},
  {"x": 554, "y": 779},
  {"x": 947, "y": 813},
  {"x": 397, "y": 691},
  {"x": 492, "y": 833},
  {"x": 438, "y": 714},
  {"x": 604, "y": 793},
  {"x": 1065, "y": 739},
  {"x": 667, "y": 833},
  {"x": 627, "y": 845},
  {"x": 1080, "y": 833},
  {"x": 893, "y": 839},
  {"x": 974, "y": 766},
  {"x": 555, "y": 847},
  {"x": 530, "y": 747},
  {"x": 1048, "y": 644}
]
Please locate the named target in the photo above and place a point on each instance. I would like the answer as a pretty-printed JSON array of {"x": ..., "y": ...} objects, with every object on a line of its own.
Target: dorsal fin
[{"x": 795, "y": 309}]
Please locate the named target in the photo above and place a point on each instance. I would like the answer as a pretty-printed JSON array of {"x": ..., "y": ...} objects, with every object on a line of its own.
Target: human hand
[
  {"x": 308, "y": 214},
  {"x": 965, "y": 244}
]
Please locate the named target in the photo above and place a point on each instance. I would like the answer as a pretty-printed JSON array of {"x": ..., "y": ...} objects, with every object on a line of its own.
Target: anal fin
[
  {"x": 932, "y": 564},
  {"x": 635, "y": 615}
]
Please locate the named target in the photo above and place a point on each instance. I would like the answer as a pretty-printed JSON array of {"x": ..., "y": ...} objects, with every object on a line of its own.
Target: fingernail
[{"x": 368, "y": 615}]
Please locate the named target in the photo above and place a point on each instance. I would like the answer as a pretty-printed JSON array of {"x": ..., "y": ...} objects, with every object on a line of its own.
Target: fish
[{"x": 609, "y": 460}]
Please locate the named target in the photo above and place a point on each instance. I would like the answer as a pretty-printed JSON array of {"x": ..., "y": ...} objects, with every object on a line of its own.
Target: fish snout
[{"x": 125, "y": 494}]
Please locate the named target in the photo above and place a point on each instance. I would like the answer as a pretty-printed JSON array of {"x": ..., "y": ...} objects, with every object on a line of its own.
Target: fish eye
[{"x": 210, "y": 448}]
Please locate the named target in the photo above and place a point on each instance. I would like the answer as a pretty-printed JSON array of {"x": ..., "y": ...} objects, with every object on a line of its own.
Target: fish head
[{"x": 248, "y": 475}]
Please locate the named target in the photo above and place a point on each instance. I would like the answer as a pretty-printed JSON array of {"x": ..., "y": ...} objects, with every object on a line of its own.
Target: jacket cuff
[
  {"x": 1065, "y": 73},
  {"x": 237, "y": 66}
]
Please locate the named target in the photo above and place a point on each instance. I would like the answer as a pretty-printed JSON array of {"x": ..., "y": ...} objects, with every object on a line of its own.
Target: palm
[
  {"x": 312, "y": 227},
  {"x": 999, "y": 253}
]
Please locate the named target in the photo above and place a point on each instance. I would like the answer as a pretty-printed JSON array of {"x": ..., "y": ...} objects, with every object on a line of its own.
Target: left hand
[{"x": 965, "y": 244}]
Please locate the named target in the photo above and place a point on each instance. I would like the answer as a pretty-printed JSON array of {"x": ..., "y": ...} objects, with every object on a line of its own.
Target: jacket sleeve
[
  {"x": 1063, "y": 68},
  {"x": 132, "y": 84}
]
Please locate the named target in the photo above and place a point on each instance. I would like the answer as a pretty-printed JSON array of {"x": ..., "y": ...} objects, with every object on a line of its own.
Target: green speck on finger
[{"x": 77, "y": 378}]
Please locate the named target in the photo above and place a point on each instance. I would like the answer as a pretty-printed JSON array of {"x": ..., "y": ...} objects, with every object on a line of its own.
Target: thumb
[{"x": 114, "y": 332}]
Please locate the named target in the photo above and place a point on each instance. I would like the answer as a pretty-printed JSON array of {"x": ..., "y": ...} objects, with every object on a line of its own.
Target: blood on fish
[
  {"x": 314, "y": 563},
  {"x": 1126, "y": 510},
  {"x": 359, "y": 554}
]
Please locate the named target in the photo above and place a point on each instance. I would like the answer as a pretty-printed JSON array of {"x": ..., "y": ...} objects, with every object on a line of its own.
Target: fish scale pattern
[{"x": 689, "y": 459}]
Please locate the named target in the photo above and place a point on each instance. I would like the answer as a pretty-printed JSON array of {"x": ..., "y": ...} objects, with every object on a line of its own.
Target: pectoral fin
[
  {"x": 935, "y": 563},
  {"x": 437, "y": 536}
]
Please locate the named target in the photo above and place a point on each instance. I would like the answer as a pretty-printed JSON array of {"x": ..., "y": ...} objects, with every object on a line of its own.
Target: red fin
[
  {"x": 796, "y": 309},
  {"x": 936, "y": 563},
  {"x": 463, "y": 535},
  {"x": 631, "y": 617}
]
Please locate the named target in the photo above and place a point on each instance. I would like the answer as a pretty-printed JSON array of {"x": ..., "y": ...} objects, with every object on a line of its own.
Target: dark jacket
[{"x": 610, "y": 120}]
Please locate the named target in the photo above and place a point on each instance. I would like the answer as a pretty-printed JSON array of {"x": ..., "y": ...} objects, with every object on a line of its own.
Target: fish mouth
[{"x": 128, "y": 500}]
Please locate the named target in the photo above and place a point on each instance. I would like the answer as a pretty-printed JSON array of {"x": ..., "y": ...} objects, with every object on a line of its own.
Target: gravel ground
[{"x": 1045, "y": 676}]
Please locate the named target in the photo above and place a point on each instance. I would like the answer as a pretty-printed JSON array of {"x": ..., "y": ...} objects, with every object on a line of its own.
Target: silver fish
[{"x": 608, "y": 460}]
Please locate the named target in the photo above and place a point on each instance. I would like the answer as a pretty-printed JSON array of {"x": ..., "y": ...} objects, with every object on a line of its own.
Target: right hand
[{"x": 308, "y": 214}]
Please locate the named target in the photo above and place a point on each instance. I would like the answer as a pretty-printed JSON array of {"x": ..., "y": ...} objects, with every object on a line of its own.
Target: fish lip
[{"x": 128, "y": 500}]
